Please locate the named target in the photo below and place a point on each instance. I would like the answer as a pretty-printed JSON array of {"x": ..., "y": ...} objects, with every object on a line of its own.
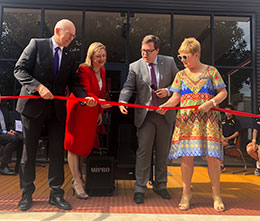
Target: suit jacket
[
  {"x": 138, "y": 79},
  {"x": 8, "y": 122},
  {"x": 34, "y": 67}
]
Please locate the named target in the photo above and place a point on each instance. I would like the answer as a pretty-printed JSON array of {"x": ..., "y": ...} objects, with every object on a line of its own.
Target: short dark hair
[
  {"x": 152, "y": 38},
  {"x": 229, "y": 106}
]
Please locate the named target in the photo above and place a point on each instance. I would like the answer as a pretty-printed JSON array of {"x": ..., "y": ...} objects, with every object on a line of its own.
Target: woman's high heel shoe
[
  {"x": 81, "y": 196},
  {"x": 218, "y": 204},
  {"x": 185, "y": 202},
  {"x": 83, "y": 183}
]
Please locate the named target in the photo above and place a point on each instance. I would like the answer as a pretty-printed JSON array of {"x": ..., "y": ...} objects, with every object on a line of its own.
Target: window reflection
[
  {"x": 145, "y": 24},
  {"x": 7, "y": 83},
  {"x": 238, "y": 83},
  {"x": 53, "y": 16},
  {"x": 18, "y": 27},
  {"x": 232, "y": 41},
  {"x": 186, "y": 26},
  {"x": 110, "y": 29}
]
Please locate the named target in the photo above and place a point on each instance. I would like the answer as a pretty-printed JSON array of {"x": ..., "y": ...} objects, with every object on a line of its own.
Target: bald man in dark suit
[{"x": 46, "y": 68}]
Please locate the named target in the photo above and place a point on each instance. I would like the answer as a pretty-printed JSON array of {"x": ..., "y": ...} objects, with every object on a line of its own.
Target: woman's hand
[
  {"x": 104, "y": 106},
  {"x": 99, "y": 120},
  {"x": 206, "y": 106},
  {"x": 160, "y": 110},
  {"x": 91, "y": 102}
]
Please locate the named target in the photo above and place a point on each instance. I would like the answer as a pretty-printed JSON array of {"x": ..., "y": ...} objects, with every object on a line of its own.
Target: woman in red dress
[{"x": 82, "y": 121}]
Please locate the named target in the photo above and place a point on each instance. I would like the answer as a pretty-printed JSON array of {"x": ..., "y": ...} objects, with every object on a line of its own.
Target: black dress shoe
[
  {"x": 59, "y": 202},
  {"x": 7, "y": 171},
  {"x": 25, "y": 203},
  {"x": 163, "y": 193},
  {"x": 139, "y": 198}
]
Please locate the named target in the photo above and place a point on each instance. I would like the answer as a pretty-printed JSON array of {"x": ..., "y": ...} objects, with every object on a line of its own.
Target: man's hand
[
  {"x": 254, "y": 145},
  {"x": 123, "y": 108},
  {"x": 225, "y": 139},
  {"x": 161, "y": 93},
  {"x": 91, "y": 101},
  {"x": 44, "y": 92},
  {"x": 11, "y": 132}
]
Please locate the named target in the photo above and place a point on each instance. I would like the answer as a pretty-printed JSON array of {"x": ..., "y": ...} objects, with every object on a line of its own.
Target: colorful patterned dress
[{"x": 197, "y": 133}]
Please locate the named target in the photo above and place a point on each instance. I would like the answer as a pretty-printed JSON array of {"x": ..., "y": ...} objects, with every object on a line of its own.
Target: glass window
[
  {"x": 146, "y": 24},
  {"x": 238, "y": 83},
  {"x": 7, "y": 83},
  {"x": 53, "y": 16},
  {"x": 18, "y": 27},
  {"x": 232, "y": 41},
  {"x": 109, "y": 28},
  {"x": 186, "y": 26}
]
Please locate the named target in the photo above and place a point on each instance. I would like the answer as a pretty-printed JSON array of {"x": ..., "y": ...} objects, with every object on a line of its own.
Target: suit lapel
[
  {"x": 51, "y": 58},
  {"x": 145, "y": 72},
  {"x": 63, "y": 61},
  {"x": 161, "y": 69}
]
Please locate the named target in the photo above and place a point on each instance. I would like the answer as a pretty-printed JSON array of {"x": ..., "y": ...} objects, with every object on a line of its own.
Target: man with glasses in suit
[{"x": 151, "y": 77}]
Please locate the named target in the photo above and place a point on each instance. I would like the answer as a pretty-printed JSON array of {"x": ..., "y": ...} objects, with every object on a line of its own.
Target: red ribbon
[{"x": 113, "y": 103}]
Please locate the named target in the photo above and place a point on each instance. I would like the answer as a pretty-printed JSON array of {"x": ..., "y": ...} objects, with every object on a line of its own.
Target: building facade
[{"x": 229, "y": 32}]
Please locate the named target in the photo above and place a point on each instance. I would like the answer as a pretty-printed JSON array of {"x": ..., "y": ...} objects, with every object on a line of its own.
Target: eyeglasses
[
  {"x": 68, "y": 33},
  {"x": 148, "y": 51},
  {"x": 184, "y": 57}
]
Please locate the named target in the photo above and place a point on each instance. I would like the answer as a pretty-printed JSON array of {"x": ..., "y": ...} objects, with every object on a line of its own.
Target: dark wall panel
[{"x": 205, "y": 5}]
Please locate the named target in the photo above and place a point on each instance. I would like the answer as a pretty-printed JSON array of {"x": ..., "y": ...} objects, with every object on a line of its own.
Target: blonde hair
[
  {"x": 190, "y": 45},
  {"x": 93, "y": 48}
]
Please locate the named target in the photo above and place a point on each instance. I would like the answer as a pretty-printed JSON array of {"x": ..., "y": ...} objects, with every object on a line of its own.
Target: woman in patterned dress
[{"x": 197, "y": 131}]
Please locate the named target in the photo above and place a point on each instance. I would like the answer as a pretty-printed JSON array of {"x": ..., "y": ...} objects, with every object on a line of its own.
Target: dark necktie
[
  {"x": 154, "y": 82},
  {"x": 56, "y": 61}
]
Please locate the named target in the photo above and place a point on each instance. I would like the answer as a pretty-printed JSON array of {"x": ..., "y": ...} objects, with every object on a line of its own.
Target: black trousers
[
  {"x": 31, "y": 132},
  {"x": 19, "y": 150},
  {"x": 11, "y": 143}
]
